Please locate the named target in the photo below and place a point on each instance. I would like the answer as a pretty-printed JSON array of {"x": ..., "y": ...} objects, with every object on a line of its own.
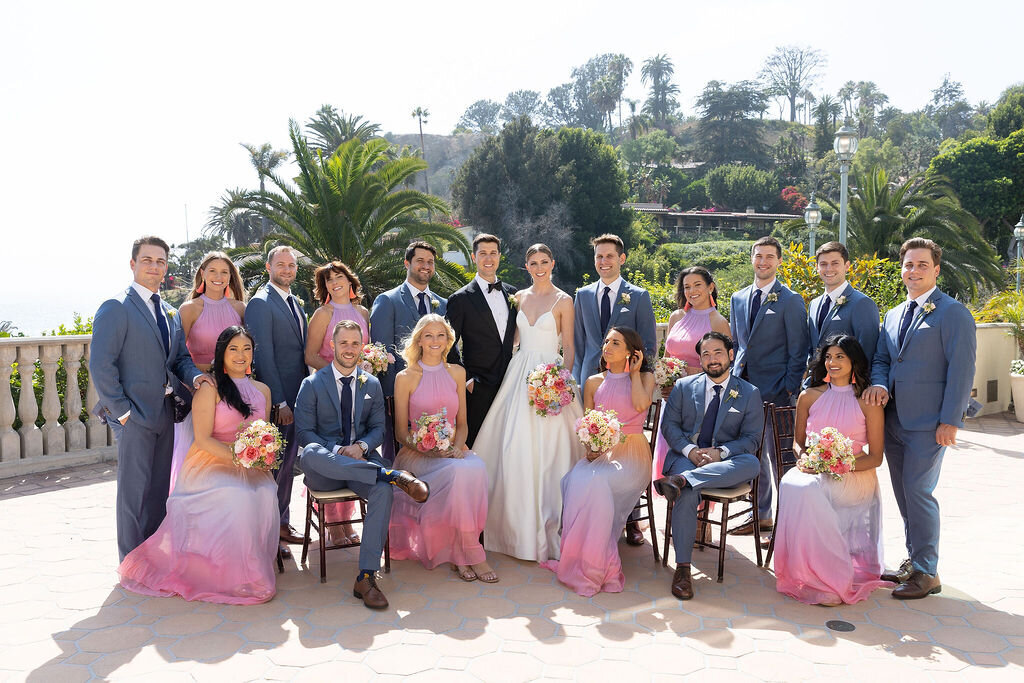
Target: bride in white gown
[{"x": 526, "y": 454}]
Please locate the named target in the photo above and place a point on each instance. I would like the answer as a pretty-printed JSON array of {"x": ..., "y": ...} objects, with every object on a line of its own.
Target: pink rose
[
  {"x": 267, "y": 438},
  {"x": 428, "y": 443},
  {"x": 593, "y": 428}
]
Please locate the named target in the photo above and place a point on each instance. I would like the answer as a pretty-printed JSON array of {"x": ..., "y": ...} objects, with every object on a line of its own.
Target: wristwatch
[{"x": 363, "y": 445}]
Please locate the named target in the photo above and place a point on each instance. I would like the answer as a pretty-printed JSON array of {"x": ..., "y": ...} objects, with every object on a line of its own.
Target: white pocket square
[
  {"x": 367, "y": 398},
  {"x": 769, "y": 312},
  {"x": 924, "y": 326},
  {"x": 623, "y": 310},
  {"x": 733, "y": 410}
]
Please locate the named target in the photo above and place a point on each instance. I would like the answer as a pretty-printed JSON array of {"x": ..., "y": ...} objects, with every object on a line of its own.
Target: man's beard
[{"x": 717, "y": 372}]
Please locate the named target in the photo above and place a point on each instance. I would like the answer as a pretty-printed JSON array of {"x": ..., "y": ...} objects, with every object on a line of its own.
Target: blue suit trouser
[
  {"x": 325, "y": 471},
  {"x": 732, "y": 471},
  {"x": 915, "y": 460},
  {"x": 285, "y": 475}
]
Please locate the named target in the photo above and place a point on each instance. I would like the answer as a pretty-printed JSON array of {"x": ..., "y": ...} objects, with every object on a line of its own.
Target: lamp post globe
[
  {"x": 845, "y": 146},
  {"x": 812, "y": 217}
]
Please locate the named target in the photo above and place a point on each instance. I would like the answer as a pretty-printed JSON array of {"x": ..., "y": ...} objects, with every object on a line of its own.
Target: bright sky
[{"x": 116, "y": 115}]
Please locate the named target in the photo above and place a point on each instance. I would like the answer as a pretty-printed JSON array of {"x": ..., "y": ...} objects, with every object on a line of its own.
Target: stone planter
[{"x": 1017, "y": 390}]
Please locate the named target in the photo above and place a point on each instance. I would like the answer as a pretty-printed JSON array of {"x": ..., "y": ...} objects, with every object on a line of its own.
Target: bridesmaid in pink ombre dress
[
  {"x": 216, "y": 316},
  {"x": 447, "y": 527},
  {"x": 828, "y": 542},
  {"x": 600, "y": 490},
  {"x": 220, "y": 536}
]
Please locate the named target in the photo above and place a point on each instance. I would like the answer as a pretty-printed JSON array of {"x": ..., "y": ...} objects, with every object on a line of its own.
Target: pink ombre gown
[
  {"x": 219, "y": 538},
  {"x": 598, "y": 497},
  {"x": 447, "y": 527},
  {"x": 828, "y": 542},
  {"x": 681, "y": 343},
  {"x": 339, "y": 512},
  {"x": 217, "y": 316}
]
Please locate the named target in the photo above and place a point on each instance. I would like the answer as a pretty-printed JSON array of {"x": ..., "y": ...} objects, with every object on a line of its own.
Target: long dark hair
[
  {"x": 861, "y": 376},
  {"x": 709, "y": 280},
  {"x": 225, "y": 386},
  {"x": 633, "y": 343}
]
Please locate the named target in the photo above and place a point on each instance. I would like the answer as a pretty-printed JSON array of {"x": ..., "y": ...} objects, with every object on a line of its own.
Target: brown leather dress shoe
[
  {"x": 671, "y": 486},
  {"x": 367, "y": 591},
  {"x": 418, "y": 490},
  {"x": 290, "y": 535},
  {"x": 747, "y": 529},
  {"x": 634, "y": 536},
  {"x": 899, "y": 575},
  {"x": 286, "y": 552},
  {"x": 682, "y": 585},
  {"x": 919, "y": 585}
]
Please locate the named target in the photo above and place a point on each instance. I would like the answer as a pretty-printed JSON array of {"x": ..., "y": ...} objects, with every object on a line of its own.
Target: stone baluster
[
  {"x": 73, "y": 427},
  {"x": 10, "y": 442},
  {"x": 31, "y": 437},
  {"x": 54, "y": 440},
  {"x": 97, "y": 431}
]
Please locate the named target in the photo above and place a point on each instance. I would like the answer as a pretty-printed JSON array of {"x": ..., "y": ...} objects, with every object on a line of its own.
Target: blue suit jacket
[
  {"x": 318, "y": 410},
  {"x": 588, "y": 337},
  {"x": 774, "y": 351},
  {"x": 857, "y": 317},
  {"x": 931, "y": 376},
  {"x": 738, "y": 425},
  {"x": 280, "y": 344},
  {"x": 392, "y": 319},
  {"x": 128, "y": 363}
]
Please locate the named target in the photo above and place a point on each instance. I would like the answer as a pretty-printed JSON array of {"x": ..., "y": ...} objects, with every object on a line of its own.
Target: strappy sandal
[
  {"x": 488, "y": 576},
  {"x": 466, "y": 575}
]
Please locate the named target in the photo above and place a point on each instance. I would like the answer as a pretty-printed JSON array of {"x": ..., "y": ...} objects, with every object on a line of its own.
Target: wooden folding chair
[
  {"x": 784, "y": 428},
  {"x": 316, "y": 500},
  {"x": 646, "y": 501}
]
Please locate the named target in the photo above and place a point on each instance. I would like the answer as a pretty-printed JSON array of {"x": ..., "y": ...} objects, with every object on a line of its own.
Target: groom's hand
[
  {"x": 945, "y": 435},
  {"x": 202, "y": 379},
  {"x": 876, "y": 396},
  {"x": 353, "y": 451}
]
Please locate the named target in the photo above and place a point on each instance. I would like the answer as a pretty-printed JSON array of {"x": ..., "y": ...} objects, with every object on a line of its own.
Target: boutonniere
[
  {"x": 512, "y": 302},
  {"x": 435, "y": 304},
  {"x": 301, "y": 302},
  {"x": 840, "y": 301},
  {"x": 624, "y": 299},
  {"x": 362, "y": 379},
  {"x": 171, "y": 312},
  {"x": 771, "y": 297},
  {"x": 928, "y": 308},
  {"x": 733, "y": 394}
]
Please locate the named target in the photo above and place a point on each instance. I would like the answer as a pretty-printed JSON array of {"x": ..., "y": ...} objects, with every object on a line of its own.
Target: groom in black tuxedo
[{"x": 482, "y": 315}]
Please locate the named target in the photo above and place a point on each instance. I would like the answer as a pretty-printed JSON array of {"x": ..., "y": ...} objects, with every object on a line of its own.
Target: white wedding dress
[{"x": 526, "y": 454}]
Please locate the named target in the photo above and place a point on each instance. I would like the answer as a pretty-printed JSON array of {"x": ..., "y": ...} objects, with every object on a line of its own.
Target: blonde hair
[
  {"x": 234, "y": 288},
  {"x": 412, "y": 352}
]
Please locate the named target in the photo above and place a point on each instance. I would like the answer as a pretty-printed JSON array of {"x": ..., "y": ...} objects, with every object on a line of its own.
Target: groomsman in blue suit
[
  {"x": 922, "y": 373},
  {"x": 275, "y": 318},
  {"x": 137, "y": 360},
  {"x": 598, "y": 307},
  {"x": 339, "y": 417},
  {"x": 841, "y": 309},
  {"x": 712, "y": 424},
  {"x": 769, "y": 327},
  {"x": 394, "y": 315}
]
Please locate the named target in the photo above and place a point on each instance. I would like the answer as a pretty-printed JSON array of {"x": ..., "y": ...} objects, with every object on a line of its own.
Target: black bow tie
[{"x": 491, "y": 286}]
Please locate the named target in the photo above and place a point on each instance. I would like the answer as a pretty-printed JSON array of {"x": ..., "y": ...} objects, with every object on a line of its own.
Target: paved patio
[{"x": 63, "y": 618}]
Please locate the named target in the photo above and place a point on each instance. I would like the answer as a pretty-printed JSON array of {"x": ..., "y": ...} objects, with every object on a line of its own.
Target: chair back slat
[
  {"x": 784, "y": 428},
  {"x": 653, "y": 413}
]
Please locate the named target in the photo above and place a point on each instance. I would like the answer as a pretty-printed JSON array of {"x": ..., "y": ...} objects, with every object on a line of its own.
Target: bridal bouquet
[
  {"x": 600, "y": 430},
  {"x": 667, "y": 370},
  {"x": 549, "y": 389},
  {"x": 433, "y": 433},
  {"x": 258, "y": 446},
  {"x": 375, "y": 358},
  {"x": 829, "y": 452}
]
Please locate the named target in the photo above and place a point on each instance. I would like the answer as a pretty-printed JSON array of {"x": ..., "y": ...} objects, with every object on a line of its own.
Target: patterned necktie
[
  {"x": 755, "y": 306},
  {"x": 823, "y": 311},
  {"x": 908, "y": 316},
  {"x": 707, "y": 427},
  {"x": 423, "y": 303},
  {"x": 346, "y": 409},
  {"x": 161, "y": 323},
  {"x": 606, "y": 309},
  {"x": 295, "y": 314}
]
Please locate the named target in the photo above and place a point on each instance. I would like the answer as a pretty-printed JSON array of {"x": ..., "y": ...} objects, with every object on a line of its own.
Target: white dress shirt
[
  {"x": 709, "y": 394},
  {"x": 837, "y": 292},
  {"x": 613, "y": 294},
  {"x": 764, "y": 290},
  {"x": 497, "y": 302},
  {"x": 147, "y": 298},
  {"x": 415, "y": 294}
]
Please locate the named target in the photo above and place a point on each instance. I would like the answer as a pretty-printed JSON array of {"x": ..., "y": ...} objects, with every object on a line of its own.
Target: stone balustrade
[{"x": 32, "y": 448}]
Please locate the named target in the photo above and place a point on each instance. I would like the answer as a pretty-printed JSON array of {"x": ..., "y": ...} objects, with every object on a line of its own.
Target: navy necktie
[
  {"x": 606, "y": 309},
  {"x": 161, "y": 323},
  {"x": 423, "y": 303},
  {"x": 346, "y": 410},
  {"x": 823, "y": 311},
  {"x": 908, "y": 316},
  {"x": 295, "y": 314},
  {"x": 707, "y": 427},
  {"x": 755, "y": 306}
]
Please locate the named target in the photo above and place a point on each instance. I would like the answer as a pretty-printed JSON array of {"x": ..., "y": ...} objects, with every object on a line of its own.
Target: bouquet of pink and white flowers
[
  {"x": 549, "y": 388},
  {"x": 375, "y": 358},
  {"x": 258, "y": 446},
  {"x": 829, "y": 452},
  {"x": 433, "y": 433},
  {"x": 600, "y": 430},
  {"x": 667, "y": 370}
]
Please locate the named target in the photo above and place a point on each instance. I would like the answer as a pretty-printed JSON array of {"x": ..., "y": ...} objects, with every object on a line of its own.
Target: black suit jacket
[{"x": 485, "y": 353}]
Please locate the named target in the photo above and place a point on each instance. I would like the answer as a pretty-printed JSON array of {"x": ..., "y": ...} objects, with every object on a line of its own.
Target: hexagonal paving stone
[
  {"x": 968, "y": 639},
  {"x": 668, "y": 659},
  {"x": 338, "y": 616},
  {"x": 720, "y": 641},
  {"x": 535, "y": 594},
  {"x": 402, "y": 660},
  {"x": 521, "y": 628},
  {"x": 208, "y": 646},
  {"x": 430, "y": 621},
  {"x": 578, "y": 614},
  {"x": 186, "y": 624},
  {"x": 464, "y": 644},
  {"x": 673, "y": 620},
  {"x": 775, "y": 666},
  {"x": 368, "y": 637},
  {"x": 485, "y": 608},
  {"x": 506, "y": 667},
  {"x": 561, "y": 651},
  {"x": 115, "y": 639}
]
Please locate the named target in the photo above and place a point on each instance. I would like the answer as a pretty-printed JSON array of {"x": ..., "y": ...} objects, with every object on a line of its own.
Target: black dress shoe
[
  {"x": 671, "y": 486},
  {"x": 899, "y": 575},
  {"x": 634, "y": 536},
  {"x": 919, "y": 585},
  {"x": 286, "y": 552},
  {"x": 682, "y": 584}
]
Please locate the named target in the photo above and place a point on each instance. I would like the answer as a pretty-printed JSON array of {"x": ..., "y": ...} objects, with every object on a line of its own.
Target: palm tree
[
  {"x": 882, "y": 215},
  {"x": 264, "y": 159},
  {"x": 657, "y": 71},
  {"x": 830, "y": 108},
  {"x": 846, "y": 94},
  {"x": 421, "y": 114},
  {"x": 619, "y": 68},
  {"x": 638, "y": 123},
  {"x": 331, "y": 128},
  {"x": 348, "y": 206}
]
